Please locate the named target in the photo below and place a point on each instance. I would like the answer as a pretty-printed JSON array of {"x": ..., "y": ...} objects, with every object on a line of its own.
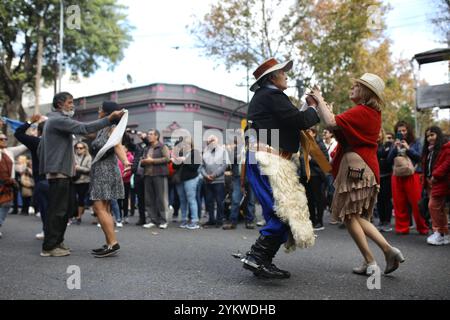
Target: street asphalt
[{"x": 178, "y": 264}]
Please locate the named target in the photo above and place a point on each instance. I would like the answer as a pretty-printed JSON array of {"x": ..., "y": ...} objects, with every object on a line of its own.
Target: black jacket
[
  {"x": 189, "y": 169},
  {"x": 272, "y": 109},
  {"x": 32, "y": 143}
]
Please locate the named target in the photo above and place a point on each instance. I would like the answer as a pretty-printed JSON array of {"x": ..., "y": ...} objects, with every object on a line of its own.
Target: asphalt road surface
[{"x": 197, "y": 264}]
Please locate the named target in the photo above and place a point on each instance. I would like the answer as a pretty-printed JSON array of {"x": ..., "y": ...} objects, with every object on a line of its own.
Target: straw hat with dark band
[{"x": 267, "y": 67}]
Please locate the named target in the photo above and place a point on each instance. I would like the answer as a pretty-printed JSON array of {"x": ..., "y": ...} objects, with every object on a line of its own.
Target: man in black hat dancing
[{"x": 271, "y": 169}]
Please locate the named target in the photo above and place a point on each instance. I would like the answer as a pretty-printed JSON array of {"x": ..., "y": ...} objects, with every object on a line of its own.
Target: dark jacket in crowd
[
  {"x": 138, "y": 154},
  {"x": 189, "y": 168},
  {"x": 382, "y": 154},
  {"x": 270, "y": 108},
  {"x": 32, "y": 143}
]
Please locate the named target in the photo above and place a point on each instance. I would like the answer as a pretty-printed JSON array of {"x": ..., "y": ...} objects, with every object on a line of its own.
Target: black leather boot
[{"x": 259, "y": 258}]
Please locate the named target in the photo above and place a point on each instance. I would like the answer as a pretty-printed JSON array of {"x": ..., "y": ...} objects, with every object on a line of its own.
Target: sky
[{"x": 163, "y": 51}]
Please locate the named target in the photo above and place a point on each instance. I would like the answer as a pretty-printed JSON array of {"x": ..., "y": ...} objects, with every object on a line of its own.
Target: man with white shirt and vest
[{"x": 271, "y": 168}]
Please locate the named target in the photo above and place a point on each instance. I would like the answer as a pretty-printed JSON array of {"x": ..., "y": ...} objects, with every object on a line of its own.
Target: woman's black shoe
[
  {"x": 94, "y": 251},
  {"x": 108, "y": 251}
]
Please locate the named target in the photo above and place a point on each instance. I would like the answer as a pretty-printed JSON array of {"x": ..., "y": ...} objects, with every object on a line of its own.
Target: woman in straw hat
[
  {"x": 271, "y": 173},
  {"x": 356, "y": 169}
]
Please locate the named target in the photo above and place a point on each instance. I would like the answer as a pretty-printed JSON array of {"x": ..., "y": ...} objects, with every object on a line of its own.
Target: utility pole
[{"x": 61, "y": 39}]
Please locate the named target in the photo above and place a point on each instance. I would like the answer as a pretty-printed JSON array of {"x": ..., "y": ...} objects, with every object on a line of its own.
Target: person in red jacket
[
  {"x": 356, "y": 169},
  {"x": 436, "y": 181}
]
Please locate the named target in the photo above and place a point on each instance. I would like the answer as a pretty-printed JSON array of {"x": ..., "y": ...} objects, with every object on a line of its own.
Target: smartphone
[{"x": 399, "y": 136}]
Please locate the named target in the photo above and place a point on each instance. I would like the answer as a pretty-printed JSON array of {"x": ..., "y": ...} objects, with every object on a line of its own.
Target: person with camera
[{"x": 405, "y": 157}]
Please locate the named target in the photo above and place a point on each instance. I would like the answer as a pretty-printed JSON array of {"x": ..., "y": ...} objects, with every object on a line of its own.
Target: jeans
[
  {"x": 4, "y": 208},
  {"x": 41, "y": 194},
  {"x": 187, "y": 192},
  {"x": 236, "y": 198},
  {"x": 215, "y": 192},
  {"x": 115, "y": 210}
]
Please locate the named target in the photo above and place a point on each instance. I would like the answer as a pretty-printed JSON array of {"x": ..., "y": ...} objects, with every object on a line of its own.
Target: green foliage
[
  {"x": 330, "y": 41},
  {"x": 102, "y": 36}
]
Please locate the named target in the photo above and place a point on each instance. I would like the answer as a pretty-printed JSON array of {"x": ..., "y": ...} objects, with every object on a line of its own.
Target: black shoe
[
  {"x": 140, "y": 223},
  {"x": 95, "y": 251},
  {"x": 263, "y": 271},
  {"x": 108, "y": 251},
  {"x": 209, "y": 224},
  {"x": 285, "y": 273},
  {"x": 318, "y": 227}
]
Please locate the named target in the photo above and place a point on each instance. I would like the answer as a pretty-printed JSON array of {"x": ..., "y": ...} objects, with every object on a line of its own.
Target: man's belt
[{"x": 269, "y": 149}]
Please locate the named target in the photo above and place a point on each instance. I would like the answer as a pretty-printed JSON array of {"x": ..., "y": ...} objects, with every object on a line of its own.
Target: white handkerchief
[{"x": 115, "y": 138}]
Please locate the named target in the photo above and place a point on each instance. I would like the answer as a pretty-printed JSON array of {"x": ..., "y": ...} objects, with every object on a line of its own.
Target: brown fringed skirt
[{"x": 352, "y": 195}]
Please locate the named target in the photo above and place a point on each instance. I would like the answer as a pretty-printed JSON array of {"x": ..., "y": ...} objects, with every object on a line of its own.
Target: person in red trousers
[
  {"x": 406, "y": 186},
  {"x": 436, "y": 181}
]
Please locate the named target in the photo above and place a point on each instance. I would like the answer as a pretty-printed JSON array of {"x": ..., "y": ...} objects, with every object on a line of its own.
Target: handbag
[{"x": 403, "y": 166}]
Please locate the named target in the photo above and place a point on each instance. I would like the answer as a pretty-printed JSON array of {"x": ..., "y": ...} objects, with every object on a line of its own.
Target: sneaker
[
  {"x": 31, "y": 211},
  {"x": 261, "y": 223},
  {"x": 99, "y": 225},
  {"x": 126, "y": 221},
  {"x": 95, "y": 251},
  {"x": 386, "y": 228},
  {"x": 436, "y": 239},
  {"x": 163, "y": 226},
  {"x": 193, "y": 226},
  {"x": 63, "y": 246},
  {"x": 446, "y": 239},
  {"x": 119, "y": 224},
  {"x": 40, "y": 235},
  {"x": 1, "y": 235},
  {"x": 184, "y": 225},
  {"x": 319, "y": 227},
  {"x": 38, "y": 215},
  {"x": 57, "y": 252},
  {"x": 149, "y": 225},
  {"x": 108, "y": 251}
]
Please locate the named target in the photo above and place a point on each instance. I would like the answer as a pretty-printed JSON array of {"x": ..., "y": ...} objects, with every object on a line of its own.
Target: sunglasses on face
[{"x": 3, "y": 139}]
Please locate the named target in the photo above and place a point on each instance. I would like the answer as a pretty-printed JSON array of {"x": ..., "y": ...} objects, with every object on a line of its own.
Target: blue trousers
[{"x": 263, "y": 192}]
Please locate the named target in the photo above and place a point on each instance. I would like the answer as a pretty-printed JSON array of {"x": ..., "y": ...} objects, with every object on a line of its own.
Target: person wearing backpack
[{"x": 406, "y": 189}]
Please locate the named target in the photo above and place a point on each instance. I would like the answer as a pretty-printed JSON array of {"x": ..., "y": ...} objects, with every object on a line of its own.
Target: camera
[{"x": 399, "y": 136}]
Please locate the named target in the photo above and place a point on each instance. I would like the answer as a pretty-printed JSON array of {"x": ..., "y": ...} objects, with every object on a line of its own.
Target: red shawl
[{"x": 358, "y": 131}]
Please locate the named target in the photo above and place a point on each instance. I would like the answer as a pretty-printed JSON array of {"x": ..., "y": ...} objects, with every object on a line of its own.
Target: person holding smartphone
[{"x": 406, "y": 188}]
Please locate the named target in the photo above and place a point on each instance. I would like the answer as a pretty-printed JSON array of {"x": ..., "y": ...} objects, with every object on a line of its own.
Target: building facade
[{"x": 168, "y": 107}]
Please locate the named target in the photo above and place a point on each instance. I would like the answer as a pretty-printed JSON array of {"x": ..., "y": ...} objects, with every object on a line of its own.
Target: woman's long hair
[
  {"x": 410, "y": 137},
  {"x": 440, "y": 141}
]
